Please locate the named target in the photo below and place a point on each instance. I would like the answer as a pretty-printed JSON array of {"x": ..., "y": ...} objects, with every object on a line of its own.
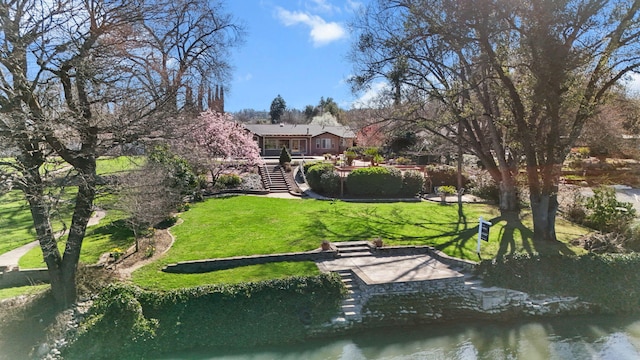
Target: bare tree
[
  {"x": 515, "y": 80},
  {"x": 148, "y": 197},
  {"x": 68, "y": 90},
  {"x": 182, "y": 45}
]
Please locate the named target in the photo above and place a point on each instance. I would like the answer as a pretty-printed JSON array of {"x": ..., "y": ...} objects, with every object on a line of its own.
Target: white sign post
[{"x": 483, "y": 232}]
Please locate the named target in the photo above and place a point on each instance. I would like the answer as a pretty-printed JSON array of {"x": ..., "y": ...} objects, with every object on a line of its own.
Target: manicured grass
[
  {"x": 112, "y": 165},
  {"x": 108, "y": 234},
  {"x": 15, "y": 221},
  {"x": 22, "y": 290},
  {"x": 246, "y": 225}
]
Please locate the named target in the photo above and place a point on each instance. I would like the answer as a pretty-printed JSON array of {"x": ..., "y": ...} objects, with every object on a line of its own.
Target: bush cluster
[
  {"x": 314, "y": 176},
  {"x": 375, "y": 180},
  {"x": 228, "y": 181},
  {"x": 482, "y": 185},
  {"x": 611, "y": 281},
  {"x": 412, "y": 183},
  {"x": 606, "y": 213},
  {"x": 240, "y": 315},
  {"x": 444, "y": 175},
  {"x": 251, "y": 182}
]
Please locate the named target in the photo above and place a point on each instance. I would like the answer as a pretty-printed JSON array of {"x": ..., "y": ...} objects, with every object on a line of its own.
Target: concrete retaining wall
[{"x": 15, "y": 277}]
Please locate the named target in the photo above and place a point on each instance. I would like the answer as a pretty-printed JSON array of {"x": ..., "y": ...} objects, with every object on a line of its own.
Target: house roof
[{"x": 298, "y": 130}]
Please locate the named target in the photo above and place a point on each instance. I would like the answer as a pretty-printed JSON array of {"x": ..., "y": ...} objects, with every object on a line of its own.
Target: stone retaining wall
[{"x": 207, "y": 265}]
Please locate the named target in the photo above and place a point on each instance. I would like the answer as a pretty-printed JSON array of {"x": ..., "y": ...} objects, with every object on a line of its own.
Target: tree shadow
[
  {"x": 530, "y": 245},
  {"x": 398, "y": 226}
]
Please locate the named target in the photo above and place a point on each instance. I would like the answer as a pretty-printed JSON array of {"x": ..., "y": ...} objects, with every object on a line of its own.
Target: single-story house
[{"x": 301, "y": 139}]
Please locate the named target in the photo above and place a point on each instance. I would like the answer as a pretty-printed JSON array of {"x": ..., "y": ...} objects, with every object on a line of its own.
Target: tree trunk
[
  {"x": 543, "y": 189},
  {"x": 81, "y": 214},
  {"x": 34, "y": 192},
  {"x": 544, "y": 208},
  {"x": 509, "y": 203}
]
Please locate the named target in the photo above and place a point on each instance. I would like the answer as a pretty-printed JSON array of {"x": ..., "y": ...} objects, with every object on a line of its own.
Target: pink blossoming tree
[{"x": 221, "y": 143}]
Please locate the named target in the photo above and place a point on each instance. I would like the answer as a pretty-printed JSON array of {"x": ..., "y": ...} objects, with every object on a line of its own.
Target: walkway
[{"x": 10, "y": 259}]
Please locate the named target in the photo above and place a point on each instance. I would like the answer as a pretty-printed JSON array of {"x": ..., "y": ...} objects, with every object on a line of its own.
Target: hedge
[
  {"x": 314, "y": 176},
  {"x": 611, "y": 280},
  {"x": 412, "y": 183},
  {"x": 376, "y": 180},
  {"x": 440, "y": 175},
  {"x": 128, "y": 322}
]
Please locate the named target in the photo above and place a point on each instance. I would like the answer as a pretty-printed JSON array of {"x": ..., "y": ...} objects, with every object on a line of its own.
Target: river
[{"x": 596, "y": 337}]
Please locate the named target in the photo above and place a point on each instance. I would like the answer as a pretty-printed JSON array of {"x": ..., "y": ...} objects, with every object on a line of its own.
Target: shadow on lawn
[{"x": 398, "y": 226}]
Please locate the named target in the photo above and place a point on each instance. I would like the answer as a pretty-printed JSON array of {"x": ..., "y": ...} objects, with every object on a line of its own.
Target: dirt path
[{"x": 161, "y": 243}]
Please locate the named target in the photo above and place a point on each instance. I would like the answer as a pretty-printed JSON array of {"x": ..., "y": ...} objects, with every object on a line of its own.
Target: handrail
[
  {"x": 266, "y": 169},
  {"x": 301, "y": 169}
]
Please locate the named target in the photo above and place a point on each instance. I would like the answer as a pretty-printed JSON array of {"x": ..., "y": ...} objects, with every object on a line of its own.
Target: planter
[{"x": 326, "y": 245}]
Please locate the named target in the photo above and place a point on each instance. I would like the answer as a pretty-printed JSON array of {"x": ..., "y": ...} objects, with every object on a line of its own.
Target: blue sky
[{"x": 295, "y": 48}]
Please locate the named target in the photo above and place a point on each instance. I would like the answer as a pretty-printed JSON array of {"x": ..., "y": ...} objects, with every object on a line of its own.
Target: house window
[
  {"x": 270, "y": 144},
  {"x": 324, "y": 143},
  {"x": 283, "y": 143},
  {"x": 298, "y": 146}
]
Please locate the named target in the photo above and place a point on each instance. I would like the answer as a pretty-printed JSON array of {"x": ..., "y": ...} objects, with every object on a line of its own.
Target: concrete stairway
[
  {"x": 278, "y": 183},
  {"x": 352, "y": 305},
  {"x": 352, "y": 249}
]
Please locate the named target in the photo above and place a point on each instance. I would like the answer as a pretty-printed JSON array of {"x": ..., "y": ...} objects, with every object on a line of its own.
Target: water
[{"x": 614, "y": 338}]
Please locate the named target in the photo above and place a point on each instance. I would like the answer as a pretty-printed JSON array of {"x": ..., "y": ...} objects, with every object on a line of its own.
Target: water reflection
[{"x": 606, "y": 338}]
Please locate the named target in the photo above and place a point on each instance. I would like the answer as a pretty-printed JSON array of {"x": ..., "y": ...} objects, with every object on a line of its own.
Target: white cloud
[
  {"x": 321, "y": 33},
  {"x": 371, "y": 97},
  {"x": 322, "y": 6},
  {"x": 354, "y": 5},
  {"x": 245, "y": 77}
]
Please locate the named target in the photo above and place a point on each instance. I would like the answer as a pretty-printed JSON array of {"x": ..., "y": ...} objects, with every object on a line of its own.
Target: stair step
[
  {"x": 354, "y": 249},
  {"x": 351, "y": 244},
  {"x": 351, "y": 314},
  {"x": 353, "y": 254}
]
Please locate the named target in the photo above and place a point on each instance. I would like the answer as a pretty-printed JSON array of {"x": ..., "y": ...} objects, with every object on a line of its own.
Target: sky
[{"x": 293, "y": 48}]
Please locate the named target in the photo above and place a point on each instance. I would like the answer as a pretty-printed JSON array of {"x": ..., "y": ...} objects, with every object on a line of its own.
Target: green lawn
[
  {"x": 246, "y": 225},
  {"x": 108, "y": 234},
  {"x": 22, "y": 290},
  {"x": 112, "y": 165},
  {"x": 15, "y": 222}
]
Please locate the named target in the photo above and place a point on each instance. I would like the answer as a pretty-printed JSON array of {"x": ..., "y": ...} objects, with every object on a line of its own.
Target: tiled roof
[{"x": 298, "y": 130}]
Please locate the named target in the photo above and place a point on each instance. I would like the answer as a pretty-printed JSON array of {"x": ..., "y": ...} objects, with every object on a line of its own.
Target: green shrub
[
  {"x": 308, "y": 165},
  {"x": 412, "y": 183},
  {"x": 314, "y": 175},
  {"x": 482, "y": 185},
  {"x": 374, "y": 181},
  {"x": 611, "y": 281},
  {"x": 285, "y": 157},
  {"x": 371, "y": 151},
  {"x": 127, "y": 322},
  {"x": 447, "y": 189},
  {"x": 350, "y": 156},
  {"x": 228, "y": 181},
  {"x": 116, "y": 326},
  {"x": 403, "y": 161},
  {"x": 606, "y": 213},
  {"x": 330, "y": 183},
  {"x": 439, "y": 175}
]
